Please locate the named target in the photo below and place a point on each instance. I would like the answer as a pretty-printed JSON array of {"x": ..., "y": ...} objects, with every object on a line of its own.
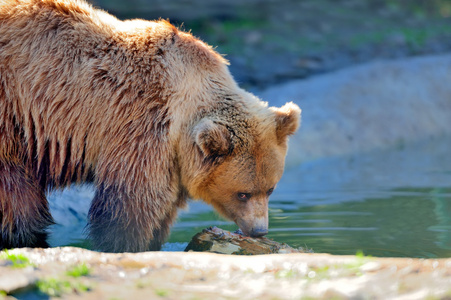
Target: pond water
[{"x": 394, "y": 202}]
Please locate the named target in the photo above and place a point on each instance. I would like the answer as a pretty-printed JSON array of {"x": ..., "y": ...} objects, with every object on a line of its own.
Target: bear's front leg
[
  {"x": 119, "y": 222},
  {"x": 24, "y": 211},
  {"x": 160, "y": 234}
]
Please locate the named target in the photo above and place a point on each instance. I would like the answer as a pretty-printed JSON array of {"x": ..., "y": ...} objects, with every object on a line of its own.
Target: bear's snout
[
  {"x": 254, "y": 232},
  {"x": 258, "y": 232},
  {"x": 255, "y": 228}
]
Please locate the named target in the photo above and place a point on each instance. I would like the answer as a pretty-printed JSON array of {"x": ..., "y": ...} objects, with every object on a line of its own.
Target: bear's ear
[
  {"x": 212, "y": 138},
  {"x": 288, "y": 118}
]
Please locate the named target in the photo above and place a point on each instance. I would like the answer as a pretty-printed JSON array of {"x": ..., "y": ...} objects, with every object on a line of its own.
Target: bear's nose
[{"x": 258, "y": 232}]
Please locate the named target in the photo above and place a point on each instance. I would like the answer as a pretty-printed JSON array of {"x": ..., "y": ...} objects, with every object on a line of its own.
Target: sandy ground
[{"x": 177, "y": 275}]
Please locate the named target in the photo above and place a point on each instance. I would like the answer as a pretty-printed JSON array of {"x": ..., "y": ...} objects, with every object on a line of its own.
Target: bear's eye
[
  {"x": 244, "y": 196},
  {"x": 269, "y": 192}
]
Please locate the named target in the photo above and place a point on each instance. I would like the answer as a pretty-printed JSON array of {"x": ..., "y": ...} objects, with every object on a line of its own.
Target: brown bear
[{"x": 147, "y": 113}]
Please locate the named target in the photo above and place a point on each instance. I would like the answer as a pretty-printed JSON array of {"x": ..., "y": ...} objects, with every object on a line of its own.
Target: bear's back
[{"x": 72, "y": 80}]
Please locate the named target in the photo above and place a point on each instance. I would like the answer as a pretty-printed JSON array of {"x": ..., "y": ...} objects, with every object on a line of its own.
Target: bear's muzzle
[
  {"x": 257, "y": 227},
  {"x": 258, "y": 232}
]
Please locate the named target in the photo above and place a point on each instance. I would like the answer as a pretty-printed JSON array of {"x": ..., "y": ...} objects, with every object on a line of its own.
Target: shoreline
[{"x": 180, "y": 275}]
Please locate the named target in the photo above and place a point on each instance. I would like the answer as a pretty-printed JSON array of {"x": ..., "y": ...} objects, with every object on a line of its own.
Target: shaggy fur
[{"x": 146, "y": 112}]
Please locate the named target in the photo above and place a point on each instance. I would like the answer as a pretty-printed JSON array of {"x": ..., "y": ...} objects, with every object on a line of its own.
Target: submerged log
[{"x": 217, "y": 240}]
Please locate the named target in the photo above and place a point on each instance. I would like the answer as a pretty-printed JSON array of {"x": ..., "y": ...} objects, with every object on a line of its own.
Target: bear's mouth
[{"x": 254, "y": 231}]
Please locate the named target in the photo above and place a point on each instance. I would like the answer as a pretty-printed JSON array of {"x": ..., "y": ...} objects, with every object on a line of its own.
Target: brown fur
[{"x": 146, "y": 112}]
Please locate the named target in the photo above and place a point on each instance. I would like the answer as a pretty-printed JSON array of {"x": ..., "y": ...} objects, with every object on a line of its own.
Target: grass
[
  {"x": 17, "y": 260},
  {"x": 162, "y": 292},
  {"x": 354, "y": 267},
  {"x": 324, "y": 272},
  {"x": 414, "y": 38},
  {"x": 54, "y": 287},
  {"x": 140, "y": 284},
  {"x": 79, "y": 271},
  {"x": 285, "y": 274},
  {"x": 360, "y": 255}
]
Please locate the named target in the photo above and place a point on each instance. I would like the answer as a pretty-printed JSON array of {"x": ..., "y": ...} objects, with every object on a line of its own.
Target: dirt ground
[{"x": 73, "y": 273}]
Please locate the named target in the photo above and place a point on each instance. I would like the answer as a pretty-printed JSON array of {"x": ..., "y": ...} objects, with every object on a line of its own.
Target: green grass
[
  {"x": 140, "y": 284},
  {"x": 162, "y": 292},
  {"x": 17, "y": 260},
  {"x": 321, "y": 272},
  {"x": 359, "y": 254},
  {"x": 54, "y": 287},
  {"x": 285, "y": 274},
  {"x": 354, "y": 267},
  {"x": 79, "y": 270},
  {"x": 413, "y": 37}
]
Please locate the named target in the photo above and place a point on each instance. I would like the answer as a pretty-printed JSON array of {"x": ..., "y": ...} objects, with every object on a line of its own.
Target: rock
[
  {"x": 376, "y": 105},
  {"x": 16, "y": 279},
  {"x": 217, "y": 240},
  {"x": 194, "y": 275}
]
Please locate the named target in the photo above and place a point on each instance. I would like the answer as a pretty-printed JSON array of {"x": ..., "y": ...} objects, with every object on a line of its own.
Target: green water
[
  {"x": 394, "y": 202},
  {"x": 407, "y": 222}
]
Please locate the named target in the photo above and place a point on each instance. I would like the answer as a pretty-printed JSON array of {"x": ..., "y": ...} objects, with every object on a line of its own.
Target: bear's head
[
  {"x": 231, "y": 151},
  {"x": 240, "y": 159}
]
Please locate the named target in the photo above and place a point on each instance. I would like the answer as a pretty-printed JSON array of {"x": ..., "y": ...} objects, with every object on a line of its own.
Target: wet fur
[{"x": 85, "y": 97}]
